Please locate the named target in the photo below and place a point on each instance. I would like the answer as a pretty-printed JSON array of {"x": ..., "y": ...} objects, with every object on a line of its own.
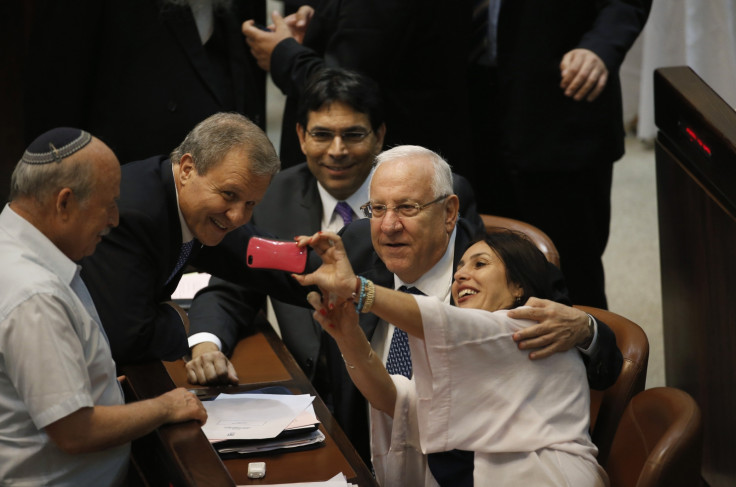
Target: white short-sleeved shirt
[
  {"x": 527, "y": 421},
  {"x": 54, "y": 360}
]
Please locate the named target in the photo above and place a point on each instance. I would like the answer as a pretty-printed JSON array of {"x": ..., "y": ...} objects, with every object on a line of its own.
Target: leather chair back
[
  {"x": 607, "y": 407},
  {"x": 658, "y": 442},
  {"x": 495, "y": 223}
]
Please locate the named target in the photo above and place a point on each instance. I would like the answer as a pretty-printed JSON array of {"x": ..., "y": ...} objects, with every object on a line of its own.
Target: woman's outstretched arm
[{"x": 338, "y": 283}]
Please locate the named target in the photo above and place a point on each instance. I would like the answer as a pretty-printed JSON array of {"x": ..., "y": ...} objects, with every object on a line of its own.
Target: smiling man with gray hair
[{"x": 176, "y": 211}]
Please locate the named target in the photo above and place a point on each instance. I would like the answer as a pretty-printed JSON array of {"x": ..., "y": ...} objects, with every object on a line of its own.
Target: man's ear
[
  {"x": 186, "y": 168},
  {"x": 300, "y": 132},
  {"x": 380, "y": 134},
  {"x": 452, "y": 209},
  {"x": 64, "y": 203}
]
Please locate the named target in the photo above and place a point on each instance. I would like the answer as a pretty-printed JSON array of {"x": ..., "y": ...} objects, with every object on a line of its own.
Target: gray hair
[
  {"x": 442, "y": 174},
  {"x": 214, "y": 137},
  {"x": 40, "y": 181}
]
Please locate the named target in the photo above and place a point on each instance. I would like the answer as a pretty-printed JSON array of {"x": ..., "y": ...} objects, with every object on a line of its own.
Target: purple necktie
[{"x": 343, "y": 209}]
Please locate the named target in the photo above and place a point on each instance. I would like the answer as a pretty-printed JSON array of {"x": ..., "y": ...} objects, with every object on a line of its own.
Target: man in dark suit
[
  {"x": 140, "y": 73},
  {"x": 189, "y": 209},
  {"x": 410, "y": 48},
  {"x": 547, "y": 122},
  {"x": 341, "y": 129}
]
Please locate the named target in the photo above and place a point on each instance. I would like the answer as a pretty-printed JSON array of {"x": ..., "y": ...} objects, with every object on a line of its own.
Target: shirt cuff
[
  {"x": 593, "y": 347},
  {"x": 202, "y": 337}
]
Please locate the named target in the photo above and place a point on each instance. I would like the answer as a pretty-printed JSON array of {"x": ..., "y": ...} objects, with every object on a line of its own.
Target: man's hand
[
  {"x": 299, "y": 21},
  {"x": 209, "y": 366},
  {"x": 181, "y": 405},
  {"x": 583, "y": 74},
  {"x": 262, "y": 43},
  {"x": 560, "y": 327}
]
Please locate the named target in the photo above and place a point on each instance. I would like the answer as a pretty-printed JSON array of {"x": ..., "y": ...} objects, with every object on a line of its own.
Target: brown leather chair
[
  {"x": 495, "y": 223},
  {"x": 607, "y": 407},
  {"x": 658, "y": 442}
]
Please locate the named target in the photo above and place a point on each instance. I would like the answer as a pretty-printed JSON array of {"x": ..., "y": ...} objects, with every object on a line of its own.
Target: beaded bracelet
[
  {"x": 365, "y": 292},
  {"x": 359, "y": 293},
  {"x": 370, "y": 295}
]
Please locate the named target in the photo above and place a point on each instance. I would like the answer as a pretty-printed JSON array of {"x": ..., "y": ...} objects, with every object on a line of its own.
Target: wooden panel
[
  {"x": 178, "y": 455},
  {"x": 697, "y": 232},
  {"x": 698, "y": 261}
]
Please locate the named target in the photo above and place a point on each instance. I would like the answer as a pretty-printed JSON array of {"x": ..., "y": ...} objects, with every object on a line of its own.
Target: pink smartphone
[{"x": 276, "y": 254}]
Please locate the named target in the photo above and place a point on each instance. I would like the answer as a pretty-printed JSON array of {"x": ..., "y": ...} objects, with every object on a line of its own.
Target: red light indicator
[{"x": 694, "y": 138}]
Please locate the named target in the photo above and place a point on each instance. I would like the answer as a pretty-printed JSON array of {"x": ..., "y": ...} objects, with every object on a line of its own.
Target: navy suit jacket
[
  {"x": 541, "y": 128},
  {"x": 127, "y": 274}
]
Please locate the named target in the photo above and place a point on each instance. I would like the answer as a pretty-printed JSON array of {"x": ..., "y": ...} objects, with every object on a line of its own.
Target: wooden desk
[{"x": 182, "y": 455}]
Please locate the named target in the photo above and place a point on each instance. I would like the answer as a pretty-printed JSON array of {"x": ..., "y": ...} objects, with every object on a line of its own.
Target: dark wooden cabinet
[{"x": 696, "y": 196}]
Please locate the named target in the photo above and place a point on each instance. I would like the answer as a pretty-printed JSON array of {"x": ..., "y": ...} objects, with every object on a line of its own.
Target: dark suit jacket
[
  {"x": 135, "y": 73},
  {"x": 413, "y": 49},
  {"x": 127, "y": 274},
  {"x": 541, "y": 129}
]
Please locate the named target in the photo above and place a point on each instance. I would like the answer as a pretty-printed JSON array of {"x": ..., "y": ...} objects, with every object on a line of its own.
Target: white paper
[
  {"x": 189, "y": 284},
  {"x": 304, "y": 419},
  {"x": 338, "y": 480},
  {"x": 252, "y": 416}
]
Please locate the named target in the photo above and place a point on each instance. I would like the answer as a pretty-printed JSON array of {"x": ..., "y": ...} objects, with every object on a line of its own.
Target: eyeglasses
[
  {"x": 405, "y": 209},
  {"x": 351, "y": 137}
]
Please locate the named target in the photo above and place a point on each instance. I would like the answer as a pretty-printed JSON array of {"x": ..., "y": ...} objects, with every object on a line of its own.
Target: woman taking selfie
[{"x": 499, "y": 418}]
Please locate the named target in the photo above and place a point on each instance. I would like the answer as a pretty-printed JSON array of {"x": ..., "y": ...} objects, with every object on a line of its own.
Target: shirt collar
[
  {"x": 48, "y": 254},
  {"x": 186, "y": 234},
  {"x": 355, "y": 200},
  {"x": 437, "y": 281}
]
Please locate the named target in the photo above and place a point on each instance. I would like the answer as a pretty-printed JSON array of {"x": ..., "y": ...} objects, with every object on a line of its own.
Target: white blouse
[{"x": 473, "y": 389}]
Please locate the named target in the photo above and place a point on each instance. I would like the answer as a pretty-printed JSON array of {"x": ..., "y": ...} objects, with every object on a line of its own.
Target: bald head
[{"x": 59, "y": 158}]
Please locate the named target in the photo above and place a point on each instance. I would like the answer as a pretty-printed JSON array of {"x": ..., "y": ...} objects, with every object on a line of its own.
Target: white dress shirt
[{"x": 54, "y": 360}]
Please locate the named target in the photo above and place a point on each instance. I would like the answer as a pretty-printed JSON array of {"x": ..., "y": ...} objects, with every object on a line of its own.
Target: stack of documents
[
  {"x": 338, "y": 480},
  {"x": 257, "y": 422}
]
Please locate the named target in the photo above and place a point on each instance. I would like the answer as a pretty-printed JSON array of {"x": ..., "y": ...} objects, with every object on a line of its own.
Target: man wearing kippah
[{"x": 63, "y": 420}]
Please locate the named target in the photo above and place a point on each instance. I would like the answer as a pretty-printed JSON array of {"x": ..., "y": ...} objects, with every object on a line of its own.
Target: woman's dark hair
[{"x": 525, "y": 264}]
